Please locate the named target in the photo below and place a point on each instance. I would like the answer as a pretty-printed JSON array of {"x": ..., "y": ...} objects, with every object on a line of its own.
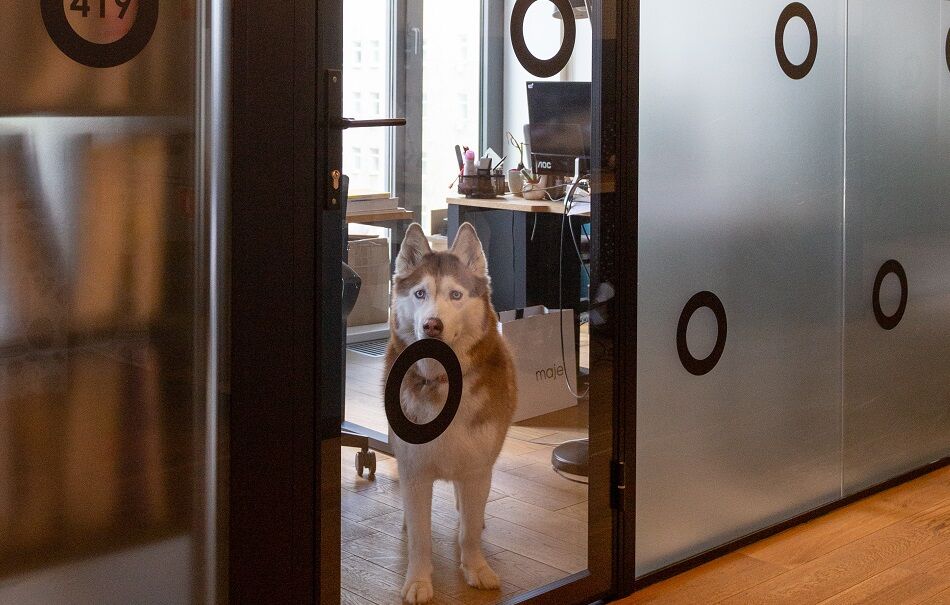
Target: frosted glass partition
[
  {"x": 109, "y": 204},
  {"x": 897, "y": 381},
  {"x": 741, "y": 185}
]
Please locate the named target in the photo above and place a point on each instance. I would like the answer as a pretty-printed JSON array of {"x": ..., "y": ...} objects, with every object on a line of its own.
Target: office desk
[
  {"x": 523, "y": 269},
  {"x": 397, "y": 221}
]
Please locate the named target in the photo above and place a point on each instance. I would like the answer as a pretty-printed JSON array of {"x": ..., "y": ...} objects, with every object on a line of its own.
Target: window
[
  {"x": 374, "y": 160},
  {"x": 374, "y": 104},
  {"x": 368, "y": 92},
  {"x": 462, "y": 102},
  {"x": 437, "y": 78},
  {"x": 450, "y": 95},
  {"x": 374, "y": 53}
]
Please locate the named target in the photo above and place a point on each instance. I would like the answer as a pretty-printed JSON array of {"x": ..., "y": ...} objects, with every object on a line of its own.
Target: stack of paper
[{"x": 363, "y": 201}]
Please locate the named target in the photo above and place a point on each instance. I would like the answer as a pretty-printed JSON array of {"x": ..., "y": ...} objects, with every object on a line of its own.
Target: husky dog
[{"x": 446, "y": 295}]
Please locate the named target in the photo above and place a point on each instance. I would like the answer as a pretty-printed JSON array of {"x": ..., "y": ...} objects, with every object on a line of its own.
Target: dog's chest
[{"x": 472, "y": 440}]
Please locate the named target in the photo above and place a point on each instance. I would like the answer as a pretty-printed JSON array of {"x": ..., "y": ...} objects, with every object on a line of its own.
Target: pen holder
[{"x": 482, "y": 185}]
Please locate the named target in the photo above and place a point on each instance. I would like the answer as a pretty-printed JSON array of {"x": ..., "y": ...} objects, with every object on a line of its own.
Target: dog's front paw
[
  {"x": 417, "y": 590},
  {"x": 482, "y": 577}
]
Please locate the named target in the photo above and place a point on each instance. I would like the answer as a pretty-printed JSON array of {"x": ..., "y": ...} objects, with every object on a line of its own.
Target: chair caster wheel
[
  {"x": 371, "y": 465},
  {"x": 366, "y": 460}
]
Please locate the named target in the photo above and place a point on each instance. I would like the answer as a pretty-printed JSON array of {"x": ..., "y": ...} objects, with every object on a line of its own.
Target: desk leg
[
  {"x": 455, "y": 220},
  {"x": 396, "y": 234}
]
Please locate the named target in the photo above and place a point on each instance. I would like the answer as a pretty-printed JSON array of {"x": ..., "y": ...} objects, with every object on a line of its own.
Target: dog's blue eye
[
  {"x": 420, "y": 294},
  {"x": 456, "y": 295}
]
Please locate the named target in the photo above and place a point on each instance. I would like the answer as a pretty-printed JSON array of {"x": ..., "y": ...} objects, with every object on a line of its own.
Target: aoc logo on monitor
[{"x": 544, "y": 165}]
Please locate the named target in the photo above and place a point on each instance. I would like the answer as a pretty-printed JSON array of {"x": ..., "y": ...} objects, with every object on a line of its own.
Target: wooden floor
[
  {"x": 892, "y": 548},
  {"x": 536, "y": 521}
]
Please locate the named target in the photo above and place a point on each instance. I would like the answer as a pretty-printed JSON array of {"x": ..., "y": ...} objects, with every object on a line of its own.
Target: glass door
[
  {"x": 109, "y": 369},
  {"x": 471, "y": 417}
]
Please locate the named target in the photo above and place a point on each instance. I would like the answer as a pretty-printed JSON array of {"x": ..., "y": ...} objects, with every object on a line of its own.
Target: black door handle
[{"x": 344, "y": 123}]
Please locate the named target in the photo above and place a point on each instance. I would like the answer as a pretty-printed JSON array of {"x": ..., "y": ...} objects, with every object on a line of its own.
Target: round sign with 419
[{"x": 95, "y": 54}]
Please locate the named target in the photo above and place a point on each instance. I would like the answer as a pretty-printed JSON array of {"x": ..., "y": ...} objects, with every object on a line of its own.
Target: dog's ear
[
  {"x": 468, "y": 248},
  {"x": 414, "y": 247}
]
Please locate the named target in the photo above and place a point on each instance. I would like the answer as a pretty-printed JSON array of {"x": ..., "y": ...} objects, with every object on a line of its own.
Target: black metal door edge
[
  {"x": 273, "y": 473},
  {"x": 328, "y": 303},
  {"x": 626, "y": 74}
]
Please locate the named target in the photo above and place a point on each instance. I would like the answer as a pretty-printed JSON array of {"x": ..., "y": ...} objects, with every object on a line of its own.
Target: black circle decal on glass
[
  {"x": 543, "y": 68},
  {"x": 405, "y": 429},
  {"x": 93, "y": 54},
  {"x": 796, "y": 9},
  {"x": 889, "y": 322},
  {"x": 694, "y": 366}
]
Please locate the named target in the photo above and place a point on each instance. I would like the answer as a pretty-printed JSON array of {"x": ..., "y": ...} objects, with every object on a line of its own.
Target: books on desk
[{"x": 358, "y": 201}]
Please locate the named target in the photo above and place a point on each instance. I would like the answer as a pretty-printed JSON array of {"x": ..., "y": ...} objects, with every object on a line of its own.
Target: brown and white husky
[{"x": 446, "y": 295}]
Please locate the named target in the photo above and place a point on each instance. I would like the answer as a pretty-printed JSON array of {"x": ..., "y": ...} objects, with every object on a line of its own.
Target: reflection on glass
[
  {"x": 102, "y": 399},
  {"x": 96, "y": 370}
]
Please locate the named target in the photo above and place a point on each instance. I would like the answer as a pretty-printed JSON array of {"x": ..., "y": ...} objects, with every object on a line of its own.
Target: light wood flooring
[
  {"x": 892, "y": 548},
  {"x": 536, "y": 521}
]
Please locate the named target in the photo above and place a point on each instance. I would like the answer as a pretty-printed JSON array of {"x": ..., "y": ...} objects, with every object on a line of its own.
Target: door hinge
[{"x": 618, "y": 484}]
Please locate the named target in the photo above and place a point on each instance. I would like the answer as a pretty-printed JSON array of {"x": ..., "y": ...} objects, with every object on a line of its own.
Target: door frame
[
  {"x": 615, "y": 141},
  {"x": 285, "y": 400},
  {"x": 273, "y": 471}
]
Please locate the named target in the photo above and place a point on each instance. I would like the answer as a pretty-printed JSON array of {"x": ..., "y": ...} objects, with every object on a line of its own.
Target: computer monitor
[{"x": 559, "y": 125}]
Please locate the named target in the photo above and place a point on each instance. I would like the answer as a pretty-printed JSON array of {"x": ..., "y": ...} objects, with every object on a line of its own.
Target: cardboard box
[
  {"x": 369, "y": 257},
  {"x": 535, "y": 340}
]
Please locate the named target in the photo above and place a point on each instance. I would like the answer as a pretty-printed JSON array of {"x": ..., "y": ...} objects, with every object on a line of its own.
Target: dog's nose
[{"x": 433, "y": 327}]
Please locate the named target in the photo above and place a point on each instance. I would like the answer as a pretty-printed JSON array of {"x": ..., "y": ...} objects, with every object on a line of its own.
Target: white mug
[{"x": 515, "y": 181}]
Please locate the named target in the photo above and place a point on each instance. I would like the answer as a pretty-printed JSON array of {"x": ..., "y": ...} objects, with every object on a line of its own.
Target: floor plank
[
  {"x": 890, "y": 548},
  {"x": 942, "y": 598},
  {"x": 378, "y": 584},
  {"x": 550, "y": 523},
  {"x": 821, "y": 536},
  {"x": 359, "y": 508},
  {"x": 578, "y": 511},
  {"x": 521, "y": 571},
  {"x": 544, "y": 496},
  {"x": 348, "y": 598},
  {"x": 709, "y": 583},
  {"x": 935, "y": 562},
  {"x": 894, "y": 586},
  {"x": 841, "y": 569},
  {"x": 554, "y": 552}
]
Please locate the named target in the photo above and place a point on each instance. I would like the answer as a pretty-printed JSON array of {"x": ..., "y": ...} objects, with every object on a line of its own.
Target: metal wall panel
[
  {"x": 897, "y": 381},
  {"x": 107, "y": 316},
  {"x": 39, "y": 78},
  {"x": 740, "y": 194}
]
